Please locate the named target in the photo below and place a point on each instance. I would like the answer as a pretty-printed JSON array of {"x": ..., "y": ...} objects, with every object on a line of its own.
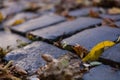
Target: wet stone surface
[
  {"x": 24, "y": 16},
  {"x": 1, "y": 27},
  {"x": 118, "y": 23},
  {"x": 102, "y": 72},
  {"x": 40, "y": 22},
  {"x": 66, "y": 28},
  {"x": 112, "y": 53},
  {"x": 29, "y": 57},
  {"x": 9, "y": 39},
  {"x": 113, "y": 17},
  {"x": 13, "y": 9},
  {"x": 82, "y": 12},
  {"x": 89, "y": 38}
]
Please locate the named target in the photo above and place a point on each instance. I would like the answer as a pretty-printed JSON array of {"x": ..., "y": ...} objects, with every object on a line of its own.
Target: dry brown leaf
[
  {"x": 5, "y": 73},
  {"x": 65, "y": 13},
  {"x": 93, "y": 14},
  {"x": 68, "y": 67},
  {"x": 81, "y": 51},
  {"x": 109, "y": 22},
  {"x": 114, "y": 10},
  {"x": 18, "y": 70}
]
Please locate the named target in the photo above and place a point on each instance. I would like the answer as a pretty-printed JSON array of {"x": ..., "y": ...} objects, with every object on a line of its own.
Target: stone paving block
[
  {"x": 89, "y": 38},
  {"x": 112, "y": 53},
  {"x": 1, "y": 27},
  {"x": 113, "y": 17},
  {"x": 65, "y": 28},
  {"x": 102, "y": 72},
  {"x": 40, "y": 22},
  {"x": 13, "y": 9},
  {"x": 9, "y": 39},
  {"x": 82, "y": 11},
  {"x": 118, "y": 23},
  {"x": 21, "y": 16},
  {"x": 29, "y": 57}
]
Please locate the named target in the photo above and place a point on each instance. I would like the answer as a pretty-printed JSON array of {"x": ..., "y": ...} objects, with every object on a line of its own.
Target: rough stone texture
[
  {"x": 24, "y": 15},
  {"x": 91, "y": 37},
  {"x": 40, "y": 22},
  {"x": 9, "y": 39},
  {"x": 102, "y": 72},
  {"x": 112, "y": 53},
  {"x": 66, "y": 28},
  {"x": 29, "y": 57},
  {"x": 113, "y": 17},
  {"x": 82, "y": 12}
]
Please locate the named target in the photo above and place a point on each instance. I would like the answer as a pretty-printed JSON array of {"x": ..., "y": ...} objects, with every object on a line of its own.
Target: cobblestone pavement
[{"x": 48, "y": 28}]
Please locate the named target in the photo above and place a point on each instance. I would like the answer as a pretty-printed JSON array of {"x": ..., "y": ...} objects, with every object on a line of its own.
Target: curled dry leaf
[
  {"x": 65, "y": 68},
  {"x": 94, "y": 14},
  {"x": 5, "y": 73},
  {"x": 114, "y": 10},
  {"x": 66, "y": 14},
  {"x": 18, "y": 70},
  {"x": 97, "y": 50},
  {"x": 81, "y": 51},
  {"x": 47, "y": 58},
  {"x": 109, "y": 22}
]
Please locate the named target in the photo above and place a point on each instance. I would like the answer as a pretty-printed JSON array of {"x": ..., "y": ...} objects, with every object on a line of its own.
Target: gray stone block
[
  {"x": 90, "y": 37},
  {"x": 102, "y": 72},
  {"x": 38, "y": 23},
  {"x": 29, "y": 57},
  {"x": 9, "y": 39},
  {"x": 112, "y": 53},
  {"x": 82, "y": 11},
  {"x": 113, "y": 17},
  {"x": 66, "y": 28}
]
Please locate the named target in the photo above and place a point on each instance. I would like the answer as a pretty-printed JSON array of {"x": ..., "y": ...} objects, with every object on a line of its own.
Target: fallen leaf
[
  {"x": 81, "y": 51},
  {"x": 95, "y": 63},
  {"x": 1, "y": 17},
  {"x": 97, "y": 50},
  {"x": 109, "y": 22},
  {"x": 47, "y": 58},
  {"x": 114, "y": 10},
  {"x": 21, "y": 43},
  {"x": 93, "y": 14},
  {"x": 19, "y": 70},
  {"x": 4, "y": 51},
  {"x": 5, "y": 73},
  {"x": 17, "y": 22}
]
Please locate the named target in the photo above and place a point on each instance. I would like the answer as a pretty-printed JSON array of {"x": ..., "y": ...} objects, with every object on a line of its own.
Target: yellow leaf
[
  {"x": 1, "y": 17},
  {"x": 17, "y": 22},
  {"x": 97, "y": 50}
]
